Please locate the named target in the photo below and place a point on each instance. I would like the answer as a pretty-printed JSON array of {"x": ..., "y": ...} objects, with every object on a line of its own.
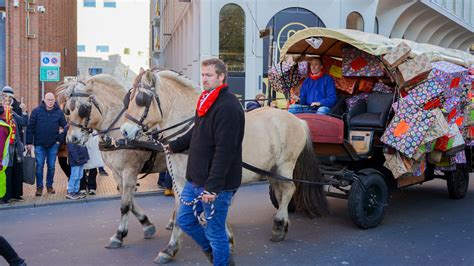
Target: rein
[{"x": 196, "y": 200}]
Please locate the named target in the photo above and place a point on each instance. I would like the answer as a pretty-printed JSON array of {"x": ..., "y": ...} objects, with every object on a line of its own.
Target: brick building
[{"x": 29, "y": 27}]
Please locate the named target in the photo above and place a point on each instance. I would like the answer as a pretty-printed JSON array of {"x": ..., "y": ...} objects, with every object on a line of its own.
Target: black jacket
[
  {"x": 215, "y": 145},
  {"x": 252, "y": 106},
  {"x": 43, "y": 126},
  {"x": 77, "y": 154}
]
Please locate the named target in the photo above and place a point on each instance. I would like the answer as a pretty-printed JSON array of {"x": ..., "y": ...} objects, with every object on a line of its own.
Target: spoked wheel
[
  {"x": 367, "y": 206},
  {"x": 458, "y": 181},
  {"x": 291, "y": 206}
]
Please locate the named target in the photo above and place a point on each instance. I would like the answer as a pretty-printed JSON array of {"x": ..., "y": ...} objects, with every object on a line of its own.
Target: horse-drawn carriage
[{"x": 354, "y": 143}]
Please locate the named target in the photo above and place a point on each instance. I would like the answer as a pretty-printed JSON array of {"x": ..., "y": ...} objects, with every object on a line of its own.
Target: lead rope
[{"x": 195, "y": 201}]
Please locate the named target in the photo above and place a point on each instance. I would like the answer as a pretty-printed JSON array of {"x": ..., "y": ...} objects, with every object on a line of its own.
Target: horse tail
[{"x": 309, "y": 198}]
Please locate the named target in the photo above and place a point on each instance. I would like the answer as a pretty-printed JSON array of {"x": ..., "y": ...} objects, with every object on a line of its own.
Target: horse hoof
[
  {"x": 278, "y": 238},
  {"x": 149, "y": 231},
  {"x": 162, "y": 258},
  {"x": 114, "y": 244}
]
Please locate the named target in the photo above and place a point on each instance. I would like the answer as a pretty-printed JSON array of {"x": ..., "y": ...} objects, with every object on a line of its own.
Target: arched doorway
[
  {"x": 232, "y": 46},
  {"x": 284, "y": 24}
]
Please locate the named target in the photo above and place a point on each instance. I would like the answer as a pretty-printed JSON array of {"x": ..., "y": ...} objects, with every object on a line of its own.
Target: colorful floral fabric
[
  {"x": 426, "y": 91},
  {"x": 382, "y": 87}
]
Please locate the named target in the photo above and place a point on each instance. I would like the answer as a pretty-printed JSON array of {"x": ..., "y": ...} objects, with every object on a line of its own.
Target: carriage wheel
[
  {"x": 363, "y": 210},
  {"x": 291, "y": 206},
  {"x": 458, "y": 181}
]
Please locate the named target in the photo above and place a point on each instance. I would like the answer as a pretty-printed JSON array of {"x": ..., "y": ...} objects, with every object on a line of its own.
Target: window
[
  {"x": 81, "y": 48},
  {"x": 110, "y": 3},
  {"x": 89, "y": 3},
  {"x": 232, "y": 37},
  {"x": 95, "y": 71},
  {"x": 140, "y": 53},
  {"x": 355, "y": 21},
  {"x": 126, "y": 50},
  {"x": 102, "y": 48}
]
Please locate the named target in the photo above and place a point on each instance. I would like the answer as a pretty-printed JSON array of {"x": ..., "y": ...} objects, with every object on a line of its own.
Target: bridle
[
  {"x": 84, "y": 111},
  {"x": 145, "y": 94}
]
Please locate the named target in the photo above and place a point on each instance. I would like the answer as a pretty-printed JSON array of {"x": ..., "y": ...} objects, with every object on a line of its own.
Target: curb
[
  {"x": 105, "y": 198},
  {"x": 85, "y": 200}
]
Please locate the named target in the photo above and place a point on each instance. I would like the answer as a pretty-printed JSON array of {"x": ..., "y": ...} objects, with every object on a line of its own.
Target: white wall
[{"x": 126, "y": 26}]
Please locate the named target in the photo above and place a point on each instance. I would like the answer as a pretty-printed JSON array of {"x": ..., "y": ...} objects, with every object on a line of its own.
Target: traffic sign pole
[{"x": 42, "y": 90}]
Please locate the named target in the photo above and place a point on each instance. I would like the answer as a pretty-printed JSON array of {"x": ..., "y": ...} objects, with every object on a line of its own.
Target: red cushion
[{"x": 324, "y": 128}]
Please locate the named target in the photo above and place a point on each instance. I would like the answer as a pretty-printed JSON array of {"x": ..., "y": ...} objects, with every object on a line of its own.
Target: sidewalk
[{"x": 106, "y": 187}]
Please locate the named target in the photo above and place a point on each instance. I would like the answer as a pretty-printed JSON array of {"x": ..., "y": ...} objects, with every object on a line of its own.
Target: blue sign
[{"x": 46, "y": 60}]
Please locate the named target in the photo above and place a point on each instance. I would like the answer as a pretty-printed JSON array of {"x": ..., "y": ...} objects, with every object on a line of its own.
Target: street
[{"x": 422, "y": 227}]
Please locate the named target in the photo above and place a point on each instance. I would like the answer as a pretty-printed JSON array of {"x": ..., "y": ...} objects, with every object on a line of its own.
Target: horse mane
[
  {"x": 108, "y": 80},
  {"x": 179, "y": 78},
  {"x": 64, "y": 91},
  {"x": 167, "y": 74}
]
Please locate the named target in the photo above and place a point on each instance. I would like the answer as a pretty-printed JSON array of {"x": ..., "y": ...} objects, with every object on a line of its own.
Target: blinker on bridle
[
  {"x": 144, "y": 99},
  {"x": 85, "y": 110}
]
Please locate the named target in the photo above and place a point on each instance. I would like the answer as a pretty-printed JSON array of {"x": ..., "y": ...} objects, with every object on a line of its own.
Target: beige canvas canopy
[{"x": 334, "y": 39}]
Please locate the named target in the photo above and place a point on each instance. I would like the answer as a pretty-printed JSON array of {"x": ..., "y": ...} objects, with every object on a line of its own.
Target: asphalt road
[{"x": 422, "y": 227}]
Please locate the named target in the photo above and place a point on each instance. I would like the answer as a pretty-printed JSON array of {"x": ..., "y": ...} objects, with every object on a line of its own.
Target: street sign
[
  {"x": 50, "y": 59},
  {"x": 49, "y": 74}
]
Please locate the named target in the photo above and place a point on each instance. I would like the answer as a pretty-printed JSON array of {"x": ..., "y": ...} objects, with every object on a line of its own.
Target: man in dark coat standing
[
  {"x": 44, "y": 132},
  {"x": 214, "y": 169}
]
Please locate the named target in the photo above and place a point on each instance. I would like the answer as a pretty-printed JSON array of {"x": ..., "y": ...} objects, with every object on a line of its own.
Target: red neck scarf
[
  {"x": 316, "y": 76},
  {"x": 206, "y": 100}
]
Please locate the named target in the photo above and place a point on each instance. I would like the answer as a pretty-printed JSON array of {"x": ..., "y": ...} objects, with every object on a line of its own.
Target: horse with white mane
[
  {"x": 94, "y": 105},
  {"x": 274, "y": 140}
]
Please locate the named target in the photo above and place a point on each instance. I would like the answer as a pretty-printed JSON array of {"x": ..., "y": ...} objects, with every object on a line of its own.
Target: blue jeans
[
  {"x": 75, "y": 179},
  {"x": 298, "y": 108},
  {"x": 213, "y": 235},
  {"x": 43, "y": 154}
]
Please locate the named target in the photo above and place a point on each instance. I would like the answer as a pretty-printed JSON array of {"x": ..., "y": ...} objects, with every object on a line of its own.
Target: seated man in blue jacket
[{"x": 318, "y": 93}]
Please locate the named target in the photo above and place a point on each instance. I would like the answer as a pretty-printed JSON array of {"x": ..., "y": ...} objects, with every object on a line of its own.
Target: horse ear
[{"x": 150, "y": 77}]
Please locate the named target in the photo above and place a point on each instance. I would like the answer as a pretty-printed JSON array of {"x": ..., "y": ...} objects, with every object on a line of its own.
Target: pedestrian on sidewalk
[
  {"x": 44, "y": 133},
  {"x": 165, "y": 182},
  {"x": 5, "y": 134},
  {"x": 62, "y": 152},
  {"x": 17, "y": 118},
  {"x": 9, "y": 254},
  {"x": 78, "y": 156},
  {"x": 89, "y": 181},
  {"x": 214, "y": 169}
]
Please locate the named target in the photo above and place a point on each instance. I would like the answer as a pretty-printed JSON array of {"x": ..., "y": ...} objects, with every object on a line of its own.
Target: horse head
[
  {"x": 85, "y": 107},
  {"x": 144, "y": 109}
]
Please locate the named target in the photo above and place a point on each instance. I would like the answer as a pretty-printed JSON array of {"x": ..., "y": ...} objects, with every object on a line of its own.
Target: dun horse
[
  {"x": 94, "y": 105},
  {"x": 274, "y": 140}
]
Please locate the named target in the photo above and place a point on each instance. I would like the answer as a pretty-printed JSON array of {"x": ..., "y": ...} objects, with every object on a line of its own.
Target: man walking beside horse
[{"x": 214, "y": 169}]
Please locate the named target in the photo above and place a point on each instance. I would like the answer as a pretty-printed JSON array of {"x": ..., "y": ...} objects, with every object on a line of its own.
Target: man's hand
[
  {"x": 315, "y": 104},
  {"x": 29, "y": 147},
  {"x": 168, "y": 148},
  {"x": 208, "y": 198},
  {"x": 23, "y": 107}
]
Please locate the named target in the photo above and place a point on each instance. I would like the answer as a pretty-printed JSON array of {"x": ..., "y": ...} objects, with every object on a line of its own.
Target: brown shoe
[
  {"x": 39, "y": 192},
  {"x": 51, "y": 190},
  {"x": 169, "y": 192}
]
